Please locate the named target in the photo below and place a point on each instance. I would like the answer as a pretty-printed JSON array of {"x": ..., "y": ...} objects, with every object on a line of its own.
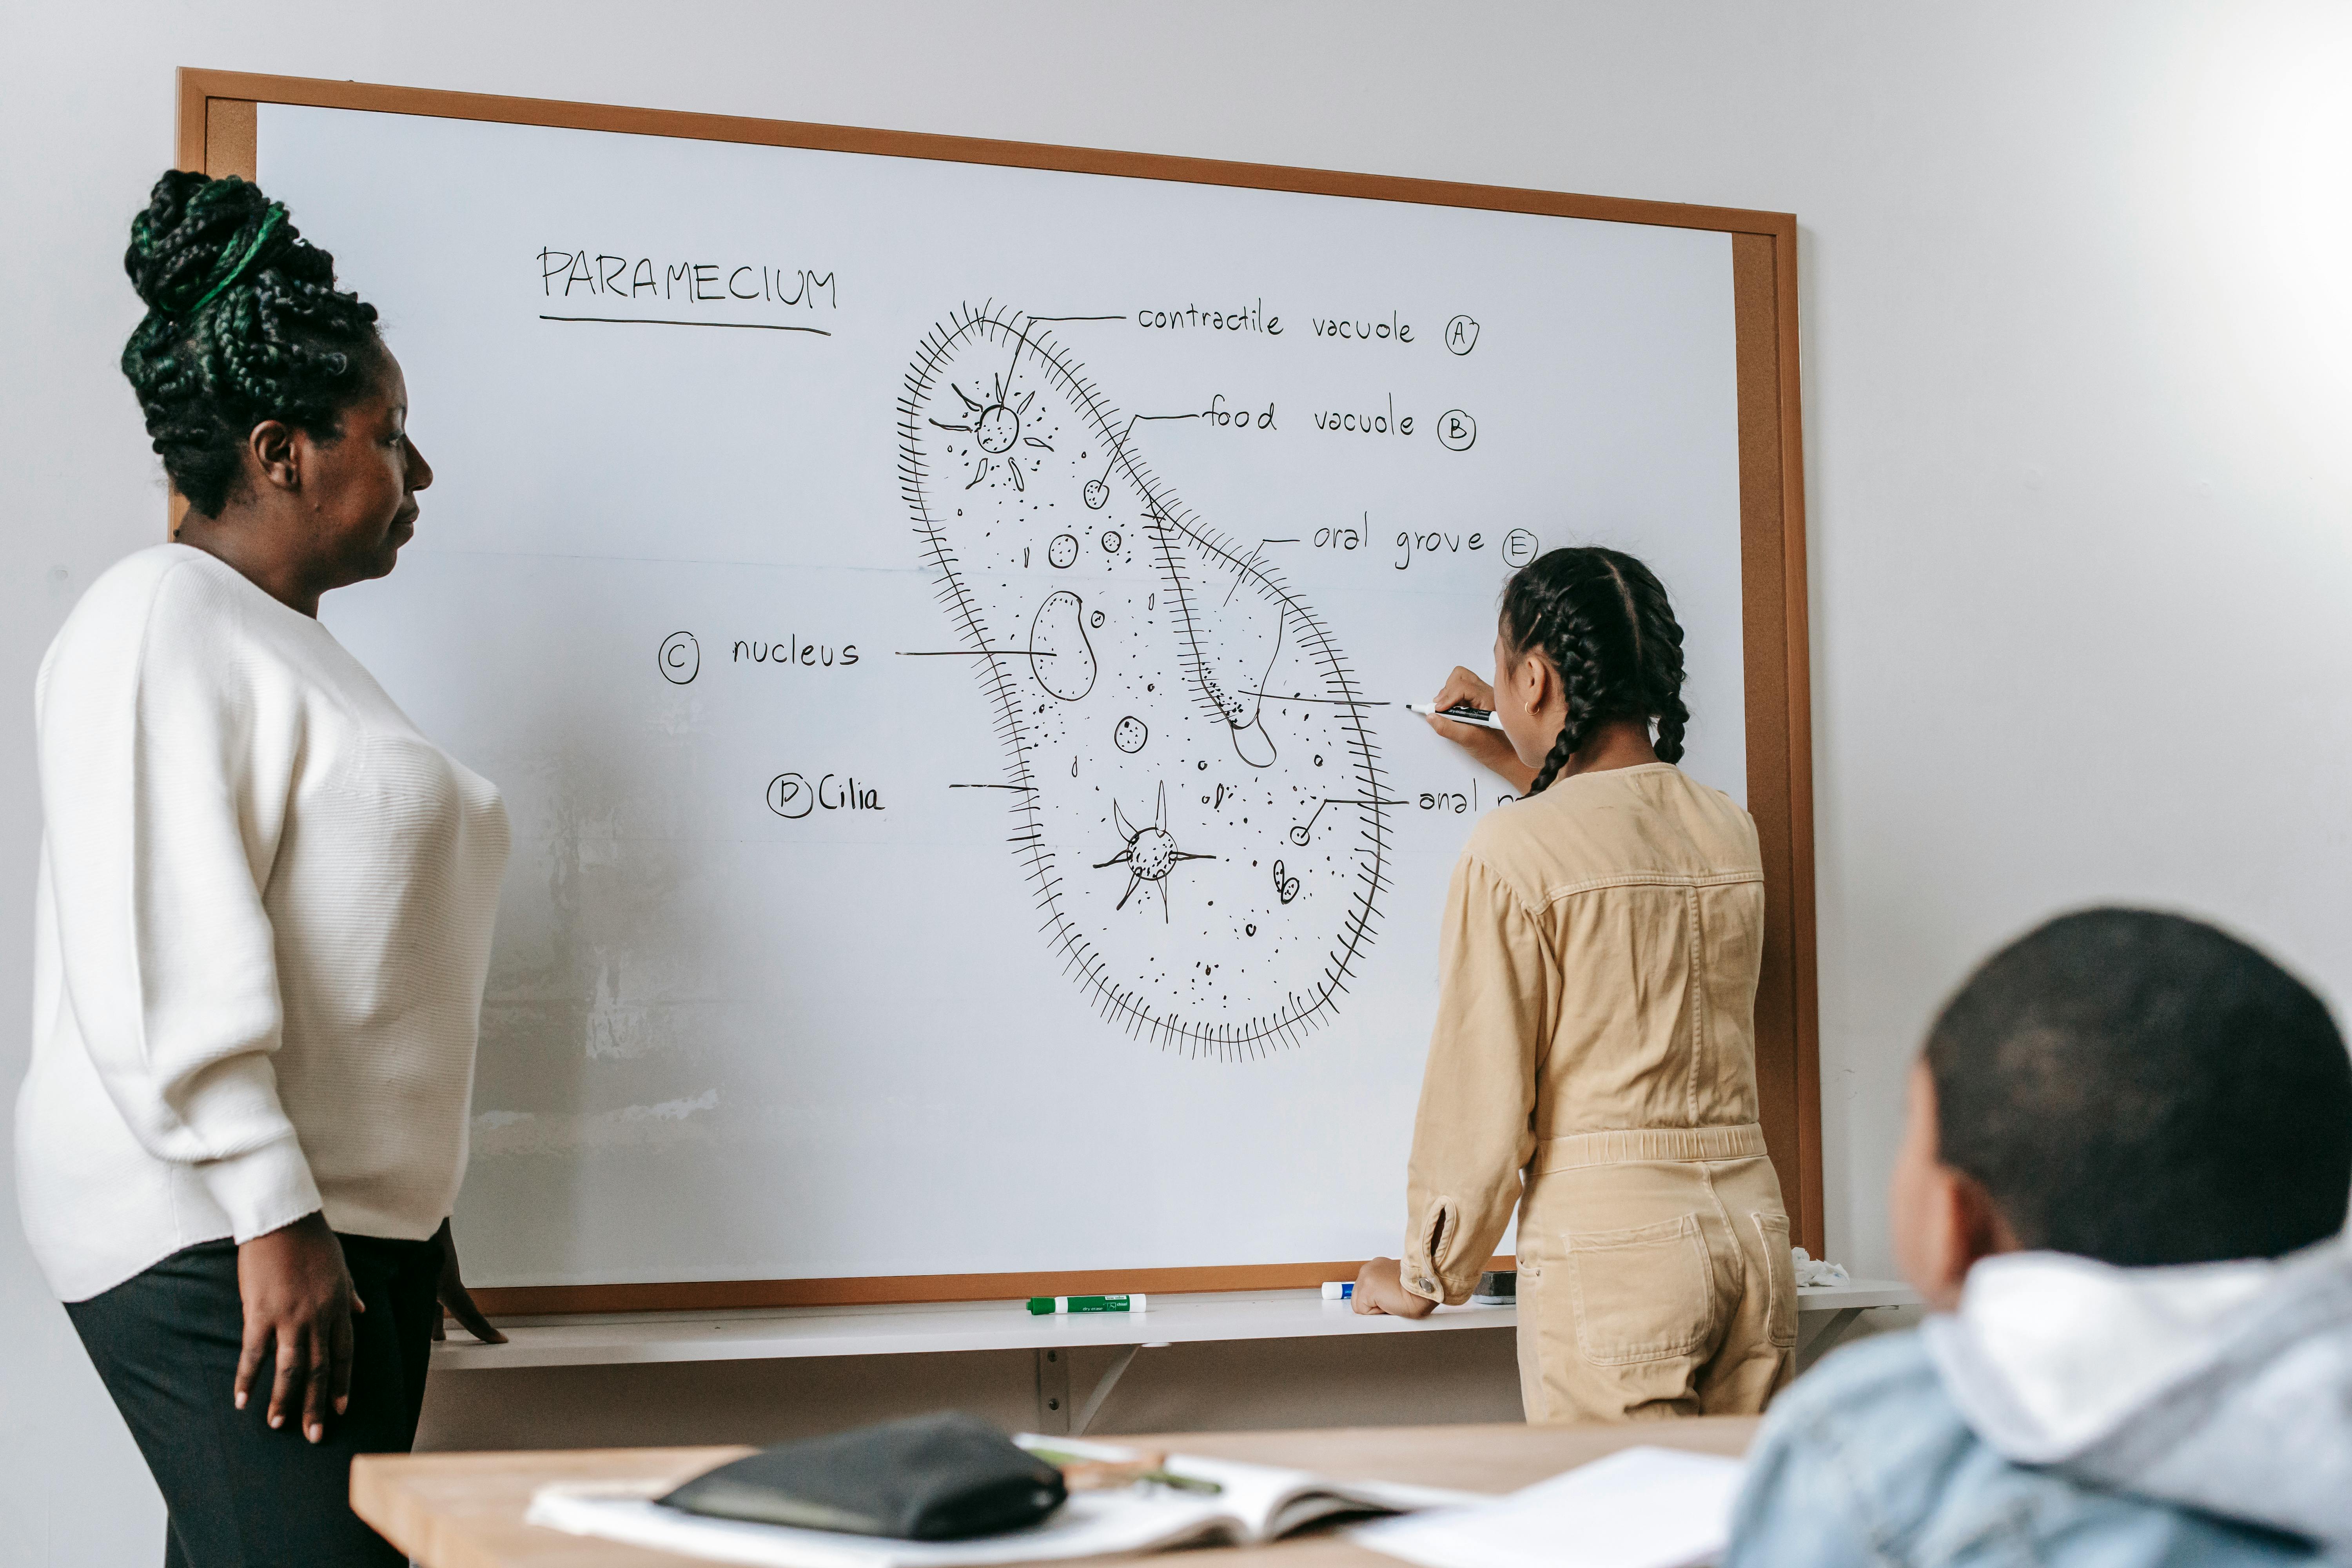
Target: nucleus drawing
[
  {"x": 1170, "y": 708},
  {"x": 1150, "y": 853}
]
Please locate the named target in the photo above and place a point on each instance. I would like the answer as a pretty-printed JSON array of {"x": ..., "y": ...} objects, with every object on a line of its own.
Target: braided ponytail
[
  {"x": 1574, "y": 647},
  {"x": 1663, "y": 667},
  {"x": 1602, "y": 621},
  {"x": 244, "y": 323}
]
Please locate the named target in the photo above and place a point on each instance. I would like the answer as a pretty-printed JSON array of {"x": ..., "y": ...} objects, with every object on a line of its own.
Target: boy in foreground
[{"x": 2121, "y": 1191}]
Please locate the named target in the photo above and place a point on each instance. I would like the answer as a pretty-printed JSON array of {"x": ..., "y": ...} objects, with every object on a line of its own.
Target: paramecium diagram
[{"x": 1194, "y": 793}]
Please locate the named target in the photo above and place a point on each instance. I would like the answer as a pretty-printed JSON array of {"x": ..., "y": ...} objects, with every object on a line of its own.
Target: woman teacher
[
  {"x": 1594, "y": 1059},
  {"x": 262, "y": 923}
]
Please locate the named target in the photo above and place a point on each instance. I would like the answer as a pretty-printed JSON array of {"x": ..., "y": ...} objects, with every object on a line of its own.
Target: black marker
[{"x": 1460, "y": 713}]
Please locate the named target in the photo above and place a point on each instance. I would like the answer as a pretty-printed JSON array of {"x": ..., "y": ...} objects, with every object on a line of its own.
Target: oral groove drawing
[{"x": 1163, "y": 665}]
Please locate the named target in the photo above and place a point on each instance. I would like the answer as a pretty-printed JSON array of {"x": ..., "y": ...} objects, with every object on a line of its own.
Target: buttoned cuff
[
  {"x": 1418, "y": 1282},
  {"x": 263, "y": 1189},
  {"x": 1428, "y": 1269}
]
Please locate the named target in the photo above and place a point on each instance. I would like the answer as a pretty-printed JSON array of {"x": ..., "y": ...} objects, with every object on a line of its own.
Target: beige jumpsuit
[{"x": 1594, "y": 1063}]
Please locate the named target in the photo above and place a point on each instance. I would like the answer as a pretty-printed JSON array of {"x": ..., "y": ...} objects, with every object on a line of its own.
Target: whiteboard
[{"x": 941, "y": 632}]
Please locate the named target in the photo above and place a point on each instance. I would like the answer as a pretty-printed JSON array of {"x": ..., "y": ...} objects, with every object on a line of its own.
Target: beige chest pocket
[{"x": 1644, "y": 1294}]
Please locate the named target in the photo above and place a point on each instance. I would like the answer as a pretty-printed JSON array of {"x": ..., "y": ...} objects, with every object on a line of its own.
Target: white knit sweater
[{"x": 261, "y": 934}]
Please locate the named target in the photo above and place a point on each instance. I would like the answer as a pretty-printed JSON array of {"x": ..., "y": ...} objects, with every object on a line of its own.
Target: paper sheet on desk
[
  {"x": 1256, "y": 1502},
  {"x": 1638, "y": 1508}
]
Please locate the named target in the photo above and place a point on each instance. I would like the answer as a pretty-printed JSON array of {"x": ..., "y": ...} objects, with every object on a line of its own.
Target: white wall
[{"x": 2076, "y": 412}]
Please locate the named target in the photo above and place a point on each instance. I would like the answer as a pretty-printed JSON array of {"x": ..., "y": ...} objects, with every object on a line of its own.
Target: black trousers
[{"x": 241, "y": 1495}]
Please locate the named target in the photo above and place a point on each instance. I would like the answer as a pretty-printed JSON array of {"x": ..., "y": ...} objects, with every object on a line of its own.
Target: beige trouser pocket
[
  {"x": 1781, "y": 1272},
  {"x": 1642, "y": 1294},
  {"x": 1622, "y": 1264}
]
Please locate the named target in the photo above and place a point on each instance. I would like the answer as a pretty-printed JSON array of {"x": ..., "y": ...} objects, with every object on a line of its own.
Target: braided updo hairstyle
[
  {"x": 1601, "y": 620},
  {"x": 244, "y": 323}
]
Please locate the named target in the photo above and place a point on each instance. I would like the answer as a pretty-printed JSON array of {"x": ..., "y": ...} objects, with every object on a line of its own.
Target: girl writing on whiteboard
[
  {"x": 1593, "y": 1062},
  {"x": 263, "y": 920}
]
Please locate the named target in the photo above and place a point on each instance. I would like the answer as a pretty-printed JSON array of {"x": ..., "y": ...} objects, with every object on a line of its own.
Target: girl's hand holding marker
[
  {"x": 1460, "y": 713},
  {"x": 1484, "y": 738}
]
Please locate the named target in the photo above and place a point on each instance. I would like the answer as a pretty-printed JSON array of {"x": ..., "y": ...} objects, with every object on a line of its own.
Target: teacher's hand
[
  {"x": 1492, "y": 748},
  {"x": 1379, "y": 1288},
  {"x": 454, "y": 1296},
  {"x": 299, "y": 1295}
]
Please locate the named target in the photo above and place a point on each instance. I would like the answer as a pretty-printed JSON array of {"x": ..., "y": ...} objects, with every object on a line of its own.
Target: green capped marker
[{"x": 1039, "y": 1306}]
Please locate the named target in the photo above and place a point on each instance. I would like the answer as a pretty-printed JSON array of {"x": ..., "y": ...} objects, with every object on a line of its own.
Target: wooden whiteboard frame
[{"x": 217, "y": 128}]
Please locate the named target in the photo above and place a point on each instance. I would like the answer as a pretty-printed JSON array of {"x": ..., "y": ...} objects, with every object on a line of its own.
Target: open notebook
[{"x": 1254, "y": 1502}]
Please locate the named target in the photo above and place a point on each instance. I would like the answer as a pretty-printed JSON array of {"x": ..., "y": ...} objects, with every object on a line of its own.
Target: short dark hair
[
  {"x": 244, "y": 323},
  {"x": 2144, "y": 1090}
]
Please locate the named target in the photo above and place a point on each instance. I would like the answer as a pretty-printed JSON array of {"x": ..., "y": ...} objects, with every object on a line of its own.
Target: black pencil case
[{"x": 946, "y": 1477}]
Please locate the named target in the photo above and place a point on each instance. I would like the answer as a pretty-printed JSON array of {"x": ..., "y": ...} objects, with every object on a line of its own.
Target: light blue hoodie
[{"x": 2073, "y": 1414}]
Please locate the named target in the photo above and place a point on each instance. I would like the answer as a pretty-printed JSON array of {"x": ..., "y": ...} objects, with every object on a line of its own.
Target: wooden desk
[{"x": 465, "y": 1510}]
